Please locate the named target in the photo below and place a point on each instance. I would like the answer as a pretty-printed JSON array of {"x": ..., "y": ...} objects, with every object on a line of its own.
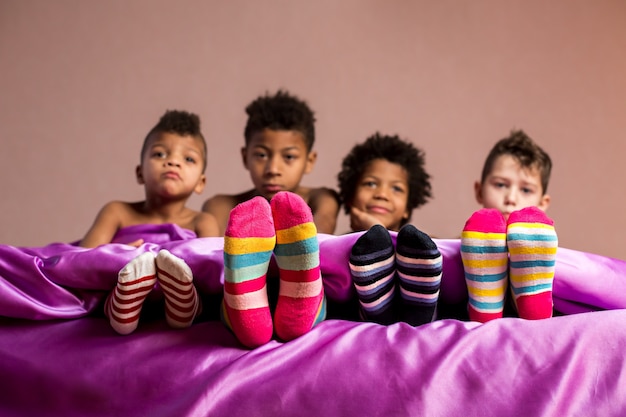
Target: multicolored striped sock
[
  {"x": 419, "y": 265},
  {"x": 134, "y": 283},
  {"x": 485, "y": 261},
  {"x": 181, "y": 298},
  {"x": 532, "y": 243},
  {"x": 301, "y": 302},
  {"x": 248, "y": 244},
  {"x": 373, "y": 270}
]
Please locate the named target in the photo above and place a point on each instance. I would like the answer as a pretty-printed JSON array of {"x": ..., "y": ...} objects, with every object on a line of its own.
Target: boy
[
  {"x": 173, "y": 160},
  {"x": 172, "y": 164},
  {"x": 278, "y": 151},
  {"x": 515, "y": 175},
  {"x": 381, "y": 181},
  {"x": 511, "y": 238}
]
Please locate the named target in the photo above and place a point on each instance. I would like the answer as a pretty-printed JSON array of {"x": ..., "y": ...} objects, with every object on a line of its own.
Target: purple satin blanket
[{"x": 52, "y": 366}]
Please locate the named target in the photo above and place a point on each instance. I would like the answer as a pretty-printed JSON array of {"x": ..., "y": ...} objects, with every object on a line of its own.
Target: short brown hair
[{"x": 521, "y": 147}]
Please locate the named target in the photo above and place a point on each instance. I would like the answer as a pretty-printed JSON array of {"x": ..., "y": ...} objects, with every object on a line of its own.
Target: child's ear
[
  {"x": 200, "y": 185},
  {"x": 544, "y": 203},
  {"x": 478, "y": 192},
  {"x": 139, "y": 175},
  {"x": 310, "y": 161}
]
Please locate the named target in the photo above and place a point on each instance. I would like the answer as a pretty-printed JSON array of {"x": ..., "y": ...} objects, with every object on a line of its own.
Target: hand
[
  {"x": 136, "y": 243},
  {"x": 361, "y": 221}
]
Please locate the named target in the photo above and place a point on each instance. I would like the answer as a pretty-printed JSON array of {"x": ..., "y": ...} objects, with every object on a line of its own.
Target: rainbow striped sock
[
  {"x": 485, "y": 261},
  {"x": 301, "y": 302},
  {"x": 373, "y": 271},
  {"x": 181, "y": 298},
  {"x": 248, "y": 244},
  {"x": 532, "y": 243},
  {"x": 419, "y": 265},
  {"x": 134, "y": 283}
]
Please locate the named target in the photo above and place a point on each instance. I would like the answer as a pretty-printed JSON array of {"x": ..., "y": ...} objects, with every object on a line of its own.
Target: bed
[{"x": 60, "y": 357}]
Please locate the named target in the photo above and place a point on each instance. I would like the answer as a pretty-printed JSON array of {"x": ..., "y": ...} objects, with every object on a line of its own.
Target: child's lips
[
  {"x": 172, "y": 174},
  {"x": 378, "y": 210},
  {"x": 272, "y": 188}
]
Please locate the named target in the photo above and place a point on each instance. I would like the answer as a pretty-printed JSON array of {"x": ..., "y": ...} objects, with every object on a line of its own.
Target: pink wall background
[{"x": 81, "y": 82}]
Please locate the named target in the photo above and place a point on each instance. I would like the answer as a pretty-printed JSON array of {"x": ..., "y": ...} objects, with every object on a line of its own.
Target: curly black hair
[
  {"x": 181, "y": 123},
  {"x": 281, "y": 111},
  {"x": 394, "y": 150},
  {"x": 523, "y": 149}
]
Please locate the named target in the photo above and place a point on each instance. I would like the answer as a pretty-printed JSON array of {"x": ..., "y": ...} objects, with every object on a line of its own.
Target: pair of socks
[
  {"x": 137, "y": 279},
  {"x": 257, "y": 229},
  {"x": 413, "y": 269},
  {"x": 521, "y": 250}
]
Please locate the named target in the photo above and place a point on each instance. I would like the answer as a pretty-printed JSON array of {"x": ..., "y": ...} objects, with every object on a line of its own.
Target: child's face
[
  {"x": 277, "y": 160},
  {"x": 510, "y": 187},
  {"x": 172, "y": 166},
  {"x": 383, "y": 192}
]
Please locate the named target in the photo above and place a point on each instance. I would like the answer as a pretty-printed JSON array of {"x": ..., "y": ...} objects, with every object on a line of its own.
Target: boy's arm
[
  {"x": 206, "y": 225},
  {"x": 360, "y": 220},
  {"x": 219, "y": 208},
  {"x": 104, "y": 227},
  {"x": 324, "y": 204}
]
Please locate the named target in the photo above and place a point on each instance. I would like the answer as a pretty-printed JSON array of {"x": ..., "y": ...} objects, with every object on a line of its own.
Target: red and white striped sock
[
  {"x": 134, "y": 283},
  {"x": 181, "y": 298}
]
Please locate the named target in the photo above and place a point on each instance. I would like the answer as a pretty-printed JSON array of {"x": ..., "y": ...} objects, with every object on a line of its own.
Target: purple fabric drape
[{"x": 52, "y": 366}]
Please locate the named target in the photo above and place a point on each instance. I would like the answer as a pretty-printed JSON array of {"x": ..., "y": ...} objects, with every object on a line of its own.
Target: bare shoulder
[
  {"x": 219, "y": 202},
  {"x": 322, "y": 196},
  {"x": 119, "y": 209},
  {"x": 220, "y": 205},
  {"x": 205, "y": 225},
  {"x": 324, "y": 203},
  {"x": 111, "y": 217}
]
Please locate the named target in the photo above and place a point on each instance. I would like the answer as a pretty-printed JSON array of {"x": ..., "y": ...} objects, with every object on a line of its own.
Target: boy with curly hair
[
  {"x": 278, "y": 152},
  {"x": 382, "y": 180}
]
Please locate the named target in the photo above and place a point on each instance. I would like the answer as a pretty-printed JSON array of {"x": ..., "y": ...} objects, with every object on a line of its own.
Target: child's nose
[
  {"x": 511, "y": 196},
  {"x": 173, "y": 162},
  {"x": 272, "y": 166},
  {"x": 382, "y": 192}
]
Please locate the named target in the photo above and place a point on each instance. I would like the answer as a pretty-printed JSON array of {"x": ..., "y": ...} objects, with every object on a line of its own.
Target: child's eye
[
  {"x": 190, "y": 159},
  {"x": 398, "y": 189},
  {"x": 527, "y": 190},
  {"x": 290, "y": 158},
  {"x": 259, "y": 155},
  {"x": 158, "y": 154},
  {"x": 370, "y": 184},
  {"x": 499, "y": 185}
]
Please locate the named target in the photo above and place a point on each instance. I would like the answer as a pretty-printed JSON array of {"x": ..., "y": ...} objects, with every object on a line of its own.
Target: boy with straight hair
[{"x": 511, "y": 238}]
